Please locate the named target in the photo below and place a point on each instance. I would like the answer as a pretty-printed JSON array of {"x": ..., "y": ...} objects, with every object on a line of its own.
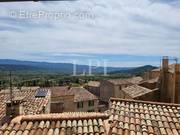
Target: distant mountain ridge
[
  {"x": 135, "y": 71},
  {"x": 17, "y": 65},
  {"x": 30, "y": 66}
]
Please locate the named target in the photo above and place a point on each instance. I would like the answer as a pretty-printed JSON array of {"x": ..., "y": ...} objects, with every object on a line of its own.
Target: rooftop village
[{"x": 148, "y": 105}]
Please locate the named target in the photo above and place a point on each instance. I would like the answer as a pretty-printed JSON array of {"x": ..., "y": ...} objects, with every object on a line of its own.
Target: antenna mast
[{"x": 11, "y": 95}]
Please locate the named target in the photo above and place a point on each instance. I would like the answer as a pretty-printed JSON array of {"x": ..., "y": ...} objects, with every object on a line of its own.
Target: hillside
[
  {"x": 135, "y": 71},
  {"x": 30, "y": 66},
  {"x": 28, "y": 73},
  {"x": 66, "y": 68}
]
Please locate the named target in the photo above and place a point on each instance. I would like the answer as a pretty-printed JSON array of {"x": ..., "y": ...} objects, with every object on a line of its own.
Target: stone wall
[
  {"x": 62, "y": 104},
  {"x": 177, "y": 93},
  {"x": 149, "y": 85},
  {"x": 151, "y": 96},
  {"x": 94, "y": 90},
  {"x": 152, "y": 74},
  {"x": 106, "y": 91}
]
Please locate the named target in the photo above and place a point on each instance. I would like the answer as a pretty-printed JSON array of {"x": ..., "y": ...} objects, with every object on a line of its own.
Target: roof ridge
[
  {"x": 61, "y": 116},
  {"x": 145, "y": 102}
]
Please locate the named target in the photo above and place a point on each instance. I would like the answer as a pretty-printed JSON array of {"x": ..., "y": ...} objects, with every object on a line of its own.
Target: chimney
[
  {"x": 177, "y": 84},
  {"x": 164, "y": 80},
  {"x": 165, "y": 63},
  {"x": 16, "y": 108}
]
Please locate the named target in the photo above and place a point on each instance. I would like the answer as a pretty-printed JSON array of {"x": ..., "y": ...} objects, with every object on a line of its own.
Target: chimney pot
[{"x": 165, "y": 63}]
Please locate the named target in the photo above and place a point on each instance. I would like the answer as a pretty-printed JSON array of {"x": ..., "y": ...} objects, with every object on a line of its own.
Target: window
[
  {"x": 90, "y": 110},
  {"x": 79, "y": 104},
  {"x": 91, "y": 102}
]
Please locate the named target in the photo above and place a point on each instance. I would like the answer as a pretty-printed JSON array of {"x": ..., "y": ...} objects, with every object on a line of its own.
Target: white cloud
[{"x": 135, "y": 27}]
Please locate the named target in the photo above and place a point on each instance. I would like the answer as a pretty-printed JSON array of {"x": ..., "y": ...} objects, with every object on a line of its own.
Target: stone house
[
  {"x": 167, "y": 79},
  {"x": 74, "y": 99},
  {"x": 113, "y": 87}
]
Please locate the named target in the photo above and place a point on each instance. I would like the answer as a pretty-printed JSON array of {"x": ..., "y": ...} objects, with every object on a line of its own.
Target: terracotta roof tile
[
  {"x": 120, "y": 125},
  {"x": 150, "y": 118},
  {"x": 45, "y": 130},
  {"x": 60, "y": 124},
  {"x": 135, "y": 91},
  {"x": 59, "y": 91},
  {"x": 133, "y": 80},
  {"x": 31, "y": 104},
  {"x": 81, "y": 94},
  {"x": 126, "y": 117}
]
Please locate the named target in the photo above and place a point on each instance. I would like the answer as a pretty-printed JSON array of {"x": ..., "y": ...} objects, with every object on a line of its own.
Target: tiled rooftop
[
  {"x": 81, "y": 94},
  {"x": 57, "y": 124},
  {"x": 60, "y": 91},
  {"x": 154, "y": 80},
  {"x": 124, "y": 117},
  {"x": 15, "y": 89},
  {"x": 136, "y": 91},
  {"x": 133, "y": 80},
  {"x": 131, "y": 117},
  {"x": 31, "y": 104},
  {"x": 118, "y": 81},
  {"x": 93, "y": 83}
]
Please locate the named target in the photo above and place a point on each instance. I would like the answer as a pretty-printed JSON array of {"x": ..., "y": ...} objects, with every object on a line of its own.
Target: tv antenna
[{"x": 11, "y": 94}]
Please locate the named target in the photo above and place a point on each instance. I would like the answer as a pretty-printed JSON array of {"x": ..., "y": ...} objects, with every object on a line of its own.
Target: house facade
[
  {"x": 113, "y": 87},
  {"x": 74, "y": 99}
]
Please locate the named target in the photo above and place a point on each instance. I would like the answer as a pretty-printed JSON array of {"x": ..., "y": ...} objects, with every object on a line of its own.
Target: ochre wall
[{"x": 86, "y": 107}]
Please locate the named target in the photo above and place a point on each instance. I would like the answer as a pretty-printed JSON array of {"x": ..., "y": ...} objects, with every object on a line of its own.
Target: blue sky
[{"x": 123, "y": 33}]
